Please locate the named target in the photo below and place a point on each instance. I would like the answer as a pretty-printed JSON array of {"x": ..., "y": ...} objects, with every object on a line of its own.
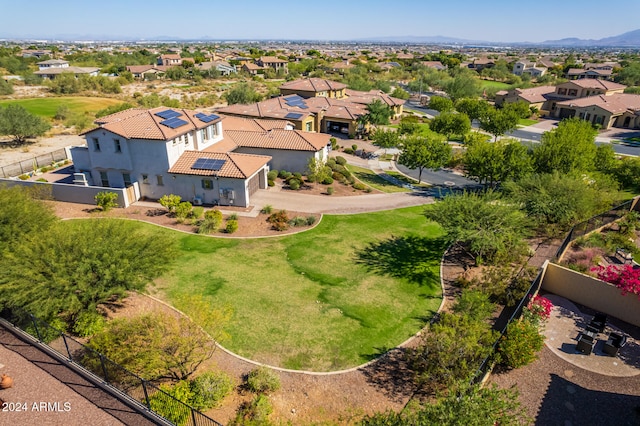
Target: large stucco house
[
  {"x": 317, "y": 105},
  {"x": 177, "y": 151}
]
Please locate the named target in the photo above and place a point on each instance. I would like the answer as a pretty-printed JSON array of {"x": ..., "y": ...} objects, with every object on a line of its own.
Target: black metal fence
[
  {"x": 512, "y": 313},
  {"x": 34, "y": 163},
  {"x": 140, "y": 390},
  {"x": 592, "y": 224}
]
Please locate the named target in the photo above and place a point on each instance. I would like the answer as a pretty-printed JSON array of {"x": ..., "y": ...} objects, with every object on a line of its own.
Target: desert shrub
[
  {"x": 520, "y": 345},
  {"x": 88, "y": 323},
  {"x": 338, "y": 176},
  {"x": 354, "y": 147},
  {"x": 170, "y": 201},
  {"x": 233, "y": 216},
  {"x": 475, "y": 304},
  {"x": 348, "y": 151},
  {"x": 334, "y": 143},
  {"x": 331, "y": 162},
  {"x": 584, "y": 259},
  {"x": 330, "y": 190},
  {"x": 311, "y": 220},
  {"x": 368, "y": 189},
  {"x": 182, "y": 211},
  {"x": 272, "y": 175},
  {"x": 24, "y": 177},
  {"x": 209, "y": 389},
  {"x": 47, "y": 334},
  {"x": 211, "y": 222},
  {"x": 351, "y": 179},
  {"x": 359, "y": 186},
  {"x": 298, "y": 221},
  {"x": 327, "y": 180},
  {"x": 298, "y": 176},
  {"x": 232, "y": 226},
  {"x": 279, "y": 220},
  {"x": 341, "y": 160},
  {"x": 267, "y": 209},
  {"x": 106, "y": 200},
  {"x": 263, "y": 380},
  {"x": 214, "y": 214},
  {"x": 271, "y": 183},
  {"x": 283, "y": 174},
  {"x": 254, "y": 412},
  {"x": 294, "y": 184},
  {"x": 197, "y": 212},
  {"x": 41, "y": 180}
]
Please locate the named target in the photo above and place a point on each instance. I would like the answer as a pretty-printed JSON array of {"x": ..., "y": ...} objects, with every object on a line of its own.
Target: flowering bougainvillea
[
  {"x": 538, "y": 310},
  {"x": 625, "y": 277}
]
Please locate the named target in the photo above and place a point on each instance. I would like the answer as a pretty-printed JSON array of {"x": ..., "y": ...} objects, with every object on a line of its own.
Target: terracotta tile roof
[
  {"x": 251, "y": 66},
  {"x": 313, "y": 85},
  {"x": 75, "y": 70},
  {"x": 236, "y": 166},
  {"x": 253, "y": 124},
  {"x": 291, "y": 140},
  {"x": 171, "y": 56},
  {"x": 359, "y": 97},
  {"x": 616, "y": 103},
  {"x": 592, "y": 83},
  {"x": 138, "y": 123},
  {"x": 535, "y": 94},
  {"x": 137, "y": 69},
  {"x": 272, "y": 60}
]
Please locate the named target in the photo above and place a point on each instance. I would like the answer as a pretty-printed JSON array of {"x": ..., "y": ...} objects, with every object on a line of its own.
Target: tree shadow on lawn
[{"x": 411, "y": 257}]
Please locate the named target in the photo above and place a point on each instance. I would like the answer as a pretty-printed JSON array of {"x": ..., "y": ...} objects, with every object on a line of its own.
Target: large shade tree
[
  {"x": 72, "y": 267},
  {"x": 493, "y": 162},
  {"x": 424, "y": 152},
  {"x": 568, "y": 148},
  {"x": 20, "y": 124}
]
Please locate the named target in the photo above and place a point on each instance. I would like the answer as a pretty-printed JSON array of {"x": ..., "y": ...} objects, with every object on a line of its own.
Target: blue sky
[{"x": 495, "y": 20}]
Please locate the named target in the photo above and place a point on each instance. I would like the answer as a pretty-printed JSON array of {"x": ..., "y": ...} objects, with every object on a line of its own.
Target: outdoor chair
[
  {"x": 614, "y": 343},
  {"x": 585, "y": 344},
  {"x": 591, "y": 328},
  {"x": 599, "y": 321}
]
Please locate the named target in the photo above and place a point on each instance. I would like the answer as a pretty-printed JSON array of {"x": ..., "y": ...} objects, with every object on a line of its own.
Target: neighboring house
[
  {"x": 531, "y": 68},
  {"x": 579, "y": 73},
  {"x": 35, "y": 53},
  {"x": 222, "y": 66},
  {"x": 252, "y": 69},
  {"x": 582, "y": 88},
  {"x": 340, "y": 67},
  {"x": 170, "y": 60},
  {"x": 616, "y": 110},
  {"x": 480, "y": 64},
  {"x": 437, "y": 65},
  {"x": 48, "y": 70},
  {"x": 177, "y": 151},
  {"x": 309, "y": 111},
  {"x": 312, "y": 87},
  {"x": 144, "y": 72},
  {"x": 535, "y": 96},
  {"x": 273, "y": 62}
]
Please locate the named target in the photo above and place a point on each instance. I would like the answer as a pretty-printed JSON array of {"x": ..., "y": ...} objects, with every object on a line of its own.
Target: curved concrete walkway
[{"x": 562, "y": 331}]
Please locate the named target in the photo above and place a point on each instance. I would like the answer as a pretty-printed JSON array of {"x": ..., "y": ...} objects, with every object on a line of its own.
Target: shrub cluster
[
  {"x": 210, "y": 223},
  {"x": 263, "y": 380},
  {"x": 279, "y": 220}
]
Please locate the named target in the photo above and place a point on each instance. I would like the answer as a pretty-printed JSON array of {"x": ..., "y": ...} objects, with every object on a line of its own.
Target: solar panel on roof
[
  {"x": 168, "y": 113},
  {"x": 293, "y": 115},
  {"x": 206, "y": 118},
  {"x": 174, "y": 122},
  {"x": 304, "y": 107},
  {"x": 208, "y": 164}
]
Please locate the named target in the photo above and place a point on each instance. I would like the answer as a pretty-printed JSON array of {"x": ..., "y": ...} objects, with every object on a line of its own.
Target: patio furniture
[
  {"x": 599, "y": 321},
  {"x": 593, "y": 329},
  {"x": 614, "y": 343},
  {"x": 585, "y": 344}
]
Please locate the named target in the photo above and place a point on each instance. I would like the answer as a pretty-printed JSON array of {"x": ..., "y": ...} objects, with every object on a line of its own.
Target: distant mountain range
[{"x": 628, "y": 39}]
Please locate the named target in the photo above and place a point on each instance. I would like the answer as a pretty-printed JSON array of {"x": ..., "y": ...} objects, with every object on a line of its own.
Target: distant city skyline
[{"x": 496, "y": 21}]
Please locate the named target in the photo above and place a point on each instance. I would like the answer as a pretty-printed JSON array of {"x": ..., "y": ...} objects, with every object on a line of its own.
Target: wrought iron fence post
[
  {"x": 35, "y": 325},
  {"x": 193, "y": 416},
  {"x": 66, "y": 345},
  {"x": 104, "y": 368},
  {"x": 146, "y": 395}
]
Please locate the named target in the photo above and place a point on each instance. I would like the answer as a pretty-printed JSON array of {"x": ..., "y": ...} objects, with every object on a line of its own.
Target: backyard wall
[
  {"x": 71, "y": 193},
  {"x": 592, "y": 292}
]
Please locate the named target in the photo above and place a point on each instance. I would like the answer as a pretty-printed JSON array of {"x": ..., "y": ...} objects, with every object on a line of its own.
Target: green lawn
[
  {"x": 329, "y": 298},
  {"x": 369, "y": 177},
  {"x": 496, "y": 85},
  {"x": 527, "y": 122},
  {"x": 406, "y": 179},
  {"x": 47, "y": 107}
]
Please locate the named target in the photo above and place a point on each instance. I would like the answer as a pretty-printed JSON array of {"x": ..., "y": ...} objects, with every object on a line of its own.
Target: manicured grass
[
  {"x": 526, "y": 122},
  {"x": 329, "y": 298},
  {"x": 497, "y": 85},
  {"x": 369, "y": 177},
  {"x": 47, "y": 107}
]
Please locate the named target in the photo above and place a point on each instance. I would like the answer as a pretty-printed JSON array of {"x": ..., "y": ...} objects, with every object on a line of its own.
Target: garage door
[{"x": 254, "y": 184}]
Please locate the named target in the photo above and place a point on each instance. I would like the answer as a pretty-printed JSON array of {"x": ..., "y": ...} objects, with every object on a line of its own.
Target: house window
[
  {"x": 186, "y": 139},
  {"x": 145, "y": 178},
  {"x": 202, "y": 135},
  {"x": 572, "y": 92},
  {"x": 116, "y": 143},
  {"x": 96, "y": 145},
  {"x": 207, "y": 184},
  {"x": 126, "y": 177},
  {"x": 562, "y": 91},
  {"x": 159, "y": 180},
  {"x": 214, "y": 130},
  {"x": 308, "y": 126},
  {"x": 104, "y": 179}
]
